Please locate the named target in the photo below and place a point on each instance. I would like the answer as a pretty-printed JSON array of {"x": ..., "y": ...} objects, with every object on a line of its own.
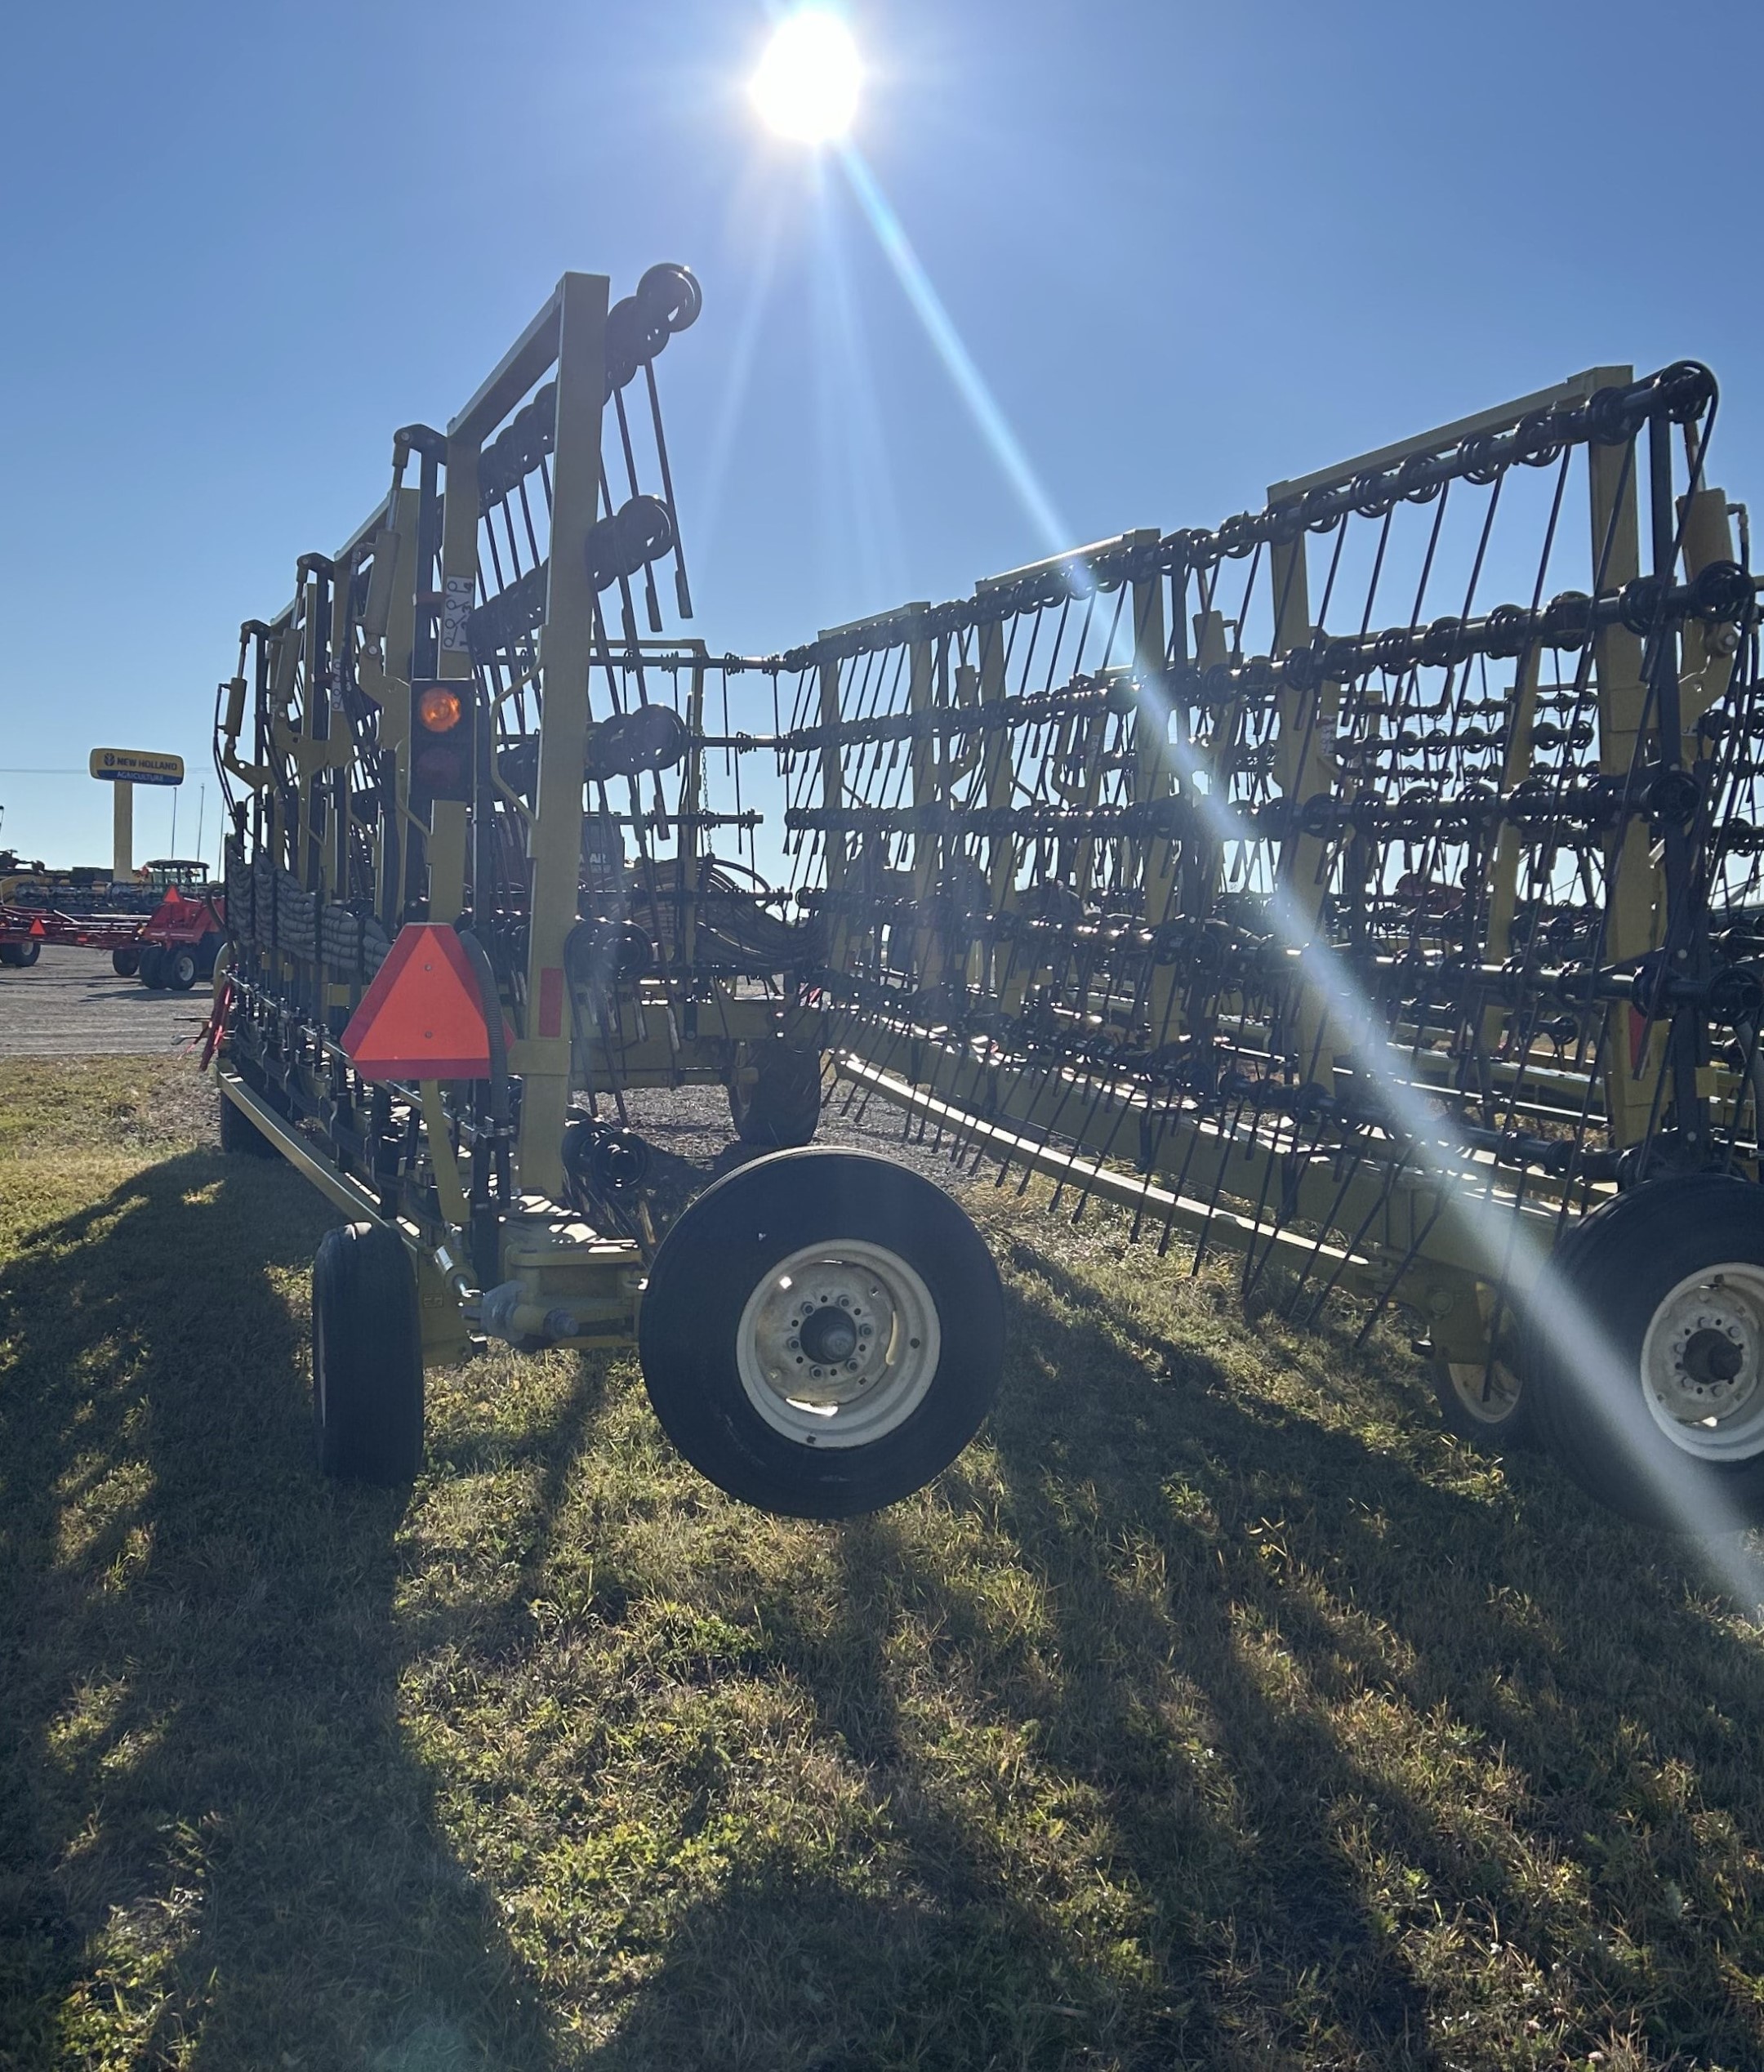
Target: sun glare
[{"x": 806, "y": 87}]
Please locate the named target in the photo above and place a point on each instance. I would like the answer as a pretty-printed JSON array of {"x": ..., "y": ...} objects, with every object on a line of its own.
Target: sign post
[
  {"x": 122, "y": 831},
  {"x": 124, "y": 769}
]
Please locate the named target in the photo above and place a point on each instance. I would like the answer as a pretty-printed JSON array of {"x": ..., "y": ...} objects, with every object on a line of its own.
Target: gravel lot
[
  {"x": 692, "y": 1123},
  {"x": 70, "y": 1004}
]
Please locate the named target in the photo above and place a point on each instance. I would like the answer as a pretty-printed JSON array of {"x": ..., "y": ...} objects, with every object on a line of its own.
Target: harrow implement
[
  {"x": 1367, "y": 887},
  {"x": 485, "y": 881}
]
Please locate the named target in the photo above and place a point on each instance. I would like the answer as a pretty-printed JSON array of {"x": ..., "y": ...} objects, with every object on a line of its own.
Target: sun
[{"x": 806, "y": 87}]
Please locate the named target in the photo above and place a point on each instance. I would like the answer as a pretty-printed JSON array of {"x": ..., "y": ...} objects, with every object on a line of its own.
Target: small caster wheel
[
  {"x": 367, "y": 1376},
  {"x": 775, "y": 1096}
]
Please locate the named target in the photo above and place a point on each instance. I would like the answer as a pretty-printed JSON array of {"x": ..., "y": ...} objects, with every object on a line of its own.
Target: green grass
[{"x": 1215, "y": 1710}]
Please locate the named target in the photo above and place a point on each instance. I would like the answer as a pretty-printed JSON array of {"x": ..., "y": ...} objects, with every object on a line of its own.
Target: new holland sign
[{"x": 136, "y": 766}]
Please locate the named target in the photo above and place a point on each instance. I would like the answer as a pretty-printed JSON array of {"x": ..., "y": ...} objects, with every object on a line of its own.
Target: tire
[
  {"x": 1644, "y": 1354},
  {"x": 367, "y": 1377},
  {"x": 1487, "y": 1407},
  {"x": 27, "y": 954},
  {"x": 182, "y": 965},
  {"x": 781, "y": 1108},
  {"x": 240, "y": 1135},
  {"x": 11, "y": 955},
  {"x": 126, "y": 963},
  {"x": 903, "y": 1268},
  {"x": 153, "y": 960}
]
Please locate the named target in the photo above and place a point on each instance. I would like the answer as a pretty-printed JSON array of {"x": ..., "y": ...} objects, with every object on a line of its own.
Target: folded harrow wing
[
  {"x": 483, "y": 884},
  {"x": 1368, "y": 886}
]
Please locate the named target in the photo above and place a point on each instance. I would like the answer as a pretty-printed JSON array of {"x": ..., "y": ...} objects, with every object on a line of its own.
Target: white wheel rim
[
  {"x": 1469, "y": 1379},
  {"x": 1703, "y": 1364},
  {"x": 845, "y": 1298}
]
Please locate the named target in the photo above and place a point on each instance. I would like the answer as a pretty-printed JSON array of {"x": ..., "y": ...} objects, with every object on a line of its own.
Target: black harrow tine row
[{"x": 1358, "y": 932}]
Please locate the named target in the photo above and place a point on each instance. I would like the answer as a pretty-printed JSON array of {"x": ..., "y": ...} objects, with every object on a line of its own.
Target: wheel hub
[
  {"x": 838, "y": 1343},
  {"x": 1713, "y": 1355},
  {"x": 1702, "y": 1363},
  {"x": 820, "y": 1346},
  {"x": 828, "y": 1336}
]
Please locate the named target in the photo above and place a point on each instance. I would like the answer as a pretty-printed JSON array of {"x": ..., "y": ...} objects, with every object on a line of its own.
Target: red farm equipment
[
  {"x": 180, "y": 943},
  {"x": 24, "y": 930},
  {"x": 89, "y": 907}
]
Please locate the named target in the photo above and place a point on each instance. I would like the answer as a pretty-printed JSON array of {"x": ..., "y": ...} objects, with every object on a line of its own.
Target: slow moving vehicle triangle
[{"x": 422, "y": 1018}]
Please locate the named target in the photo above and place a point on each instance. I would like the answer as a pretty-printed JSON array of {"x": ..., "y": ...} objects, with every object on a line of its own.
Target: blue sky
[{"x": 1192, "y": 250}]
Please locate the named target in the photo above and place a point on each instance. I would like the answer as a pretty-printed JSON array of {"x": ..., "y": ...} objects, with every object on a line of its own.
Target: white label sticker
[{"x": 455, "y": 608}]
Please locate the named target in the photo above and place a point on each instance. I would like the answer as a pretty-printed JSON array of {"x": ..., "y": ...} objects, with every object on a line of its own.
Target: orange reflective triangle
[
  {"x": 422, "y": 1018},
  {"x": 37, "y": 927}
]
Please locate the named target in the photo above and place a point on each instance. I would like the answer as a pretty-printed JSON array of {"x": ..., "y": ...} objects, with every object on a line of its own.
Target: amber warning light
[
  {"x": 439, "y": 710},
  {"x": 441, "y": 753}
]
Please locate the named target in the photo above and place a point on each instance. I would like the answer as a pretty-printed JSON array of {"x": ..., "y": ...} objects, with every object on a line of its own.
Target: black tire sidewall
[
  {"x": 717, "y": 1254},
  {"x": 1619, "y": 1264},
  {"x": 175, "y": 977},
  {"x": 367, "y": 1379},
  {"x": 781, "y": 1110}
]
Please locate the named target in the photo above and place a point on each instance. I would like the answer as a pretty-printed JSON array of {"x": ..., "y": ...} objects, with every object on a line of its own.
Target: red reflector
[{"x": 422, "y": 1018}]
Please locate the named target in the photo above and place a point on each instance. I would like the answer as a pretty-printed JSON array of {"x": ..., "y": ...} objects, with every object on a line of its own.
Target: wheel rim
[
  {"x": 838, "y": 1344},
  {"x": 1487, "y": 1391},
  {"x": 1703, "y": 1364}
]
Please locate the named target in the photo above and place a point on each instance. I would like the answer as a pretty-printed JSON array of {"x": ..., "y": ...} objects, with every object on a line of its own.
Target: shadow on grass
[
  {"x": 216, "y": 1851},
  {"x": 1209, "y": 1721},
  {"x": 1304, "y": 1750}
]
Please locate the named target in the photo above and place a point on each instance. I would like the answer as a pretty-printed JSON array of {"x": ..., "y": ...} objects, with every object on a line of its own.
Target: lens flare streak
[{"x": 995, "y": 428}]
